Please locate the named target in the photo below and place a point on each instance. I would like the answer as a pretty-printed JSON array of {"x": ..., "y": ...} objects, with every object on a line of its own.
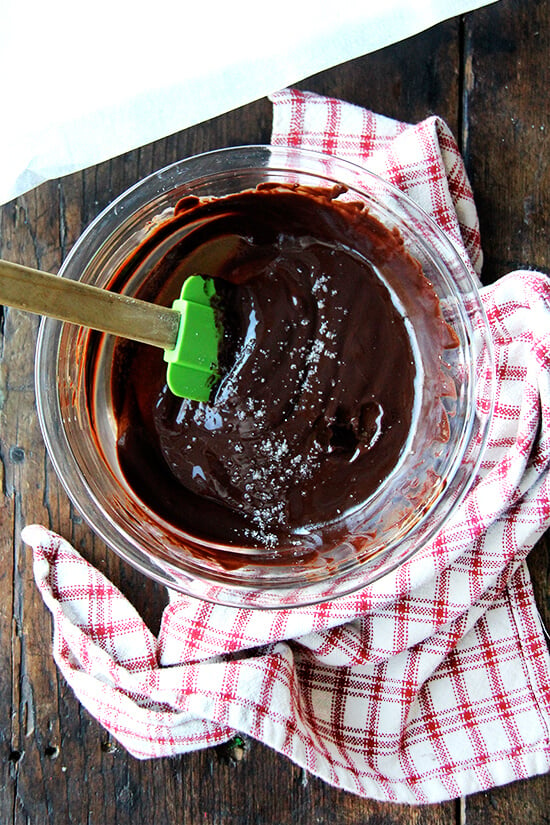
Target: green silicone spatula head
[
  {"x": 193, "y": 364},
  {"x": 189, "y": 332}
]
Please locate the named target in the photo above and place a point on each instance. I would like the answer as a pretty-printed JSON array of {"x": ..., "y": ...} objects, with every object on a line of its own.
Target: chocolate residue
[{"x": 317, "y": 401}]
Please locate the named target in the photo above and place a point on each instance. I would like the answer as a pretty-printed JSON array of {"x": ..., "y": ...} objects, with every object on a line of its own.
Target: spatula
[{"x": 188, "y": 331}]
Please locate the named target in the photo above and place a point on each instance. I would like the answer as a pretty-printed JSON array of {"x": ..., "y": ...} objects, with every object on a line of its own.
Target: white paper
[{"x": 84, "y": 84}]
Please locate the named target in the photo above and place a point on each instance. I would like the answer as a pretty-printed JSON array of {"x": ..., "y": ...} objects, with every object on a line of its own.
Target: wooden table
[{"x": 487, "y": 74}]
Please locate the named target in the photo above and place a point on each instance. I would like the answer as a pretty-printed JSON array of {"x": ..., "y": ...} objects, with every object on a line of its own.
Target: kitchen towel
[{"x": 430, "y": 684}]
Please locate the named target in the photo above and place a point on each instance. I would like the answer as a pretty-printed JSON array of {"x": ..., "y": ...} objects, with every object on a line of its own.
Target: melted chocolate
[{"x": 316, "y": 404}]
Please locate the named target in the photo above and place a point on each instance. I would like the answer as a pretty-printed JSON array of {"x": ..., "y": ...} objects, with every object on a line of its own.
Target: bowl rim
[{"x": 162, "y": 179}]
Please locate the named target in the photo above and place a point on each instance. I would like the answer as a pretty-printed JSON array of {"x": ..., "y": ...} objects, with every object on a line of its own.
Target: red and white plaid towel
[{"x": 430, "y": 684}]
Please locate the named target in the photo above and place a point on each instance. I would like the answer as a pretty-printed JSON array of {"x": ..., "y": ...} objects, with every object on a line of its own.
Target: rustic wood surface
[{"x": 487, "y": 74}]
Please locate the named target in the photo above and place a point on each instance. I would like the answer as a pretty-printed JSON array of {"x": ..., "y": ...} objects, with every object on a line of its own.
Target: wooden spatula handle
[{"x": 88, "y": 306}]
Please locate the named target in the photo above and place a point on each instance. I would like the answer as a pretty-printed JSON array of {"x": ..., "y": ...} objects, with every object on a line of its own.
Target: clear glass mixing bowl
[{"x": 73, "y": 367}]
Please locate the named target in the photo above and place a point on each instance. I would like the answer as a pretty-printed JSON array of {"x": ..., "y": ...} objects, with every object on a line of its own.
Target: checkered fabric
[{"x": 432, "y": 683}]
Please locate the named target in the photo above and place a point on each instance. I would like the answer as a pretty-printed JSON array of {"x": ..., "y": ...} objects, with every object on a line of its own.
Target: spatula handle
[{"x": 87, "y": 306}]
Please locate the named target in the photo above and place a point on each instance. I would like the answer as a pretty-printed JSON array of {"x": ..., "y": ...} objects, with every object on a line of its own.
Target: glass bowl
[{"x": 73, "y": 369}]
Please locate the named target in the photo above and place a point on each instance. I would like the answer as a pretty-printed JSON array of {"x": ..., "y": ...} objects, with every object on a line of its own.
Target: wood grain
[
  {"x": 506, "y": 132},
  {"x": 487, "y": 75}
]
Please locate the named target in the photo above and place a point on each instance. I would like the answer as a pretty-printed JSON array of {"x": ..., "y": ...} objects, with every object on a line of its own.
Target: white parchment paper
[{"x": 83, "y": 83}]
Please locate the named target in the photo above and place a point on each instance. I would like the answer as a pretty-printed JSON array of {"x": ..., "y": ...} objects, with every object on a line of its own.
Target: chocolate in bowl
[
  {"x": 349, "y": 512},
  {"x": 318, "y": 397}
]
